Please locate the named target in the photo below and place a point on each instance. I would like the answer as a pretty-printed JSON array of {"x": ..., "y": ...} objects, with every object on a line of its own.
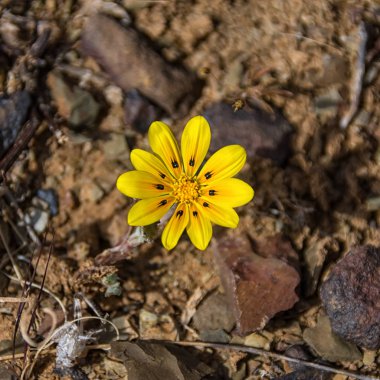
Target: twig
[
  {"x": 358, "y": 79},
  {"x": 10, "y": 255},
  {"x": 257, "y": 351},
  {"x": 13, "y": 299},
  {"x": 25, "y": 135}
]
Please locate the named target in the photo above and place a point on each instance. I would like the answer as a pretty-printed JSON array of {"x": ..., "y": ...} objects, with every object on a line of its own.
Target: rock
[
  {"x": 217, "y": 336},
  {"x": 139, "y": 112},
  {"x": 76, "y": 105},
  {"x": 154, "y": 326},
  {"x": 131, "y": 63},
  {"x": 116, "y": 147},
  {"x": 258, "y": 341},
  {"x": 267, "y": 135},
  {"x": 51, "y": 198},
  {"x": 38, "y": 215},
  {"x": 214, "y": 313},
  {"x": 14, "y": 111},
  {"x": 256, "y": 287},
  {"x": 351, "y": 297},
  {"x": 327, "y": 344}
]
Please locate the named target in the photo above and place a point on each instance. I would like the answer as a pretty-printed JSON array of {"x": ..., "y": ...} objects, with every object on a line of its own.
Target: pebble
[
  {"x": 116, "y": 146},
  {"x": 76, "y": 105},
  {"x": 91, "y": 192},
  {"x": 257, "y": 287},
  {"x": 351, "y": 296},
  {"x": 261, "y": 133},
  {"x": 51, "y": 198}
]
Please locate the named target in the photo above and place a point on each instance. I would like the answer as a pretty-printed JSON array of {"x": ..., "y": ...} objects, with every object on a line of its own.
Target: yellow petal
[
  {"x": 224, "y": 163},
  {"x": 149, "y": 211},
  {"x": 229, "y": 192},
  {"x": 195, "y": 142},
  {"x": 218, "y": 214},
  {"x": 199, "y": 228},
  {"x": 137, "y": 184},
  {"x": 164, "y": 144},
  {"x": 148, "y": 162},
  {"x": 175, "y": 227}
]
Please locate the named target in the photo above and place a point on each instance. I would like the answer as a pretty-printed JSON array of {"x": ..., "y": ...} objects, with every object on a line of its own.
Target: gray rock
[
  {"x": 13, "y": 113},
  {"x": 214, "y": 313},
  {"x": 261, "y": 133},
  {"x": 76, "y": 105}
]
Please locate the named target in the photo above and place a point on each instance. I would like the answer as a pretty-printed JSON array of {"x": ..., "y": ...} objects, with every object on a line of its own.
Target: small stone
[
  {"x": 351, "y": 296},
  {"x": 214, "y": 313},
  {"x": 154, "y": 326},
  {"x": 116, "y": 147},
  {"x": 267, "y": 135},
  {"x": 217, "y": 336},
  {"x": 327, "y": 344},
  {"x": 91, "y": 192},
  {"x": 258, "y": 341},
  {"x": 139, "y": 111},
  {"x": 76, "y": 105},
  {"x": 257, "y": 287},
  {"x": 373, "y": 204},
  {"x": 51, "y": 198},
  {"x": 369, "y": 357},
  {"x": 37, "y": 218},
  {"x": 13, "y": 113}
]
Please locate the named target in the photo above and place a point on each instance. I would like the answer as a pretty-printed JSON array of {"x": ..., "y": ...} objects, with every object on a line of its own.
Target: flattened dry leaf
[{"x": 157, "y": 361}]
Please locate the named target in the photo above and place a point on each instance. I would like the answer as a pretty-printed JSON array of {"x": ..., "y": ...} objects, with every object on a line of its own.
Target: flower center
[{"x": 186, "y": 189}]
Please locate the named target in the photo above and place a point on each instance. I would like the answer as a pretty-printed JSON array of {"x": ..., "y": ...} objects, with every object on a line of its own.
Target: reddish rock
[
  {"x": 351, "y": 297},
  {"x": 131, "y": 62},
  {"x": 267, "y": 135},
  {"x": 257, "y": 287}
]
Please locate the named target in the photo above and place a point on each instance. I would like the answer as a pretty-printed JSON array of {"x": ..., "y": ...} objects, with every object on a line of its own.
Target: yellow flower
[{"x": 201, "y": 194}]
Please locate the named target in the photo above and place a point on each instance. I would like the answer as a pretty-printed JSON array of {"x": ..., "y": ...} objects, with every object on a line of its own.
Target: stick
[
  {"x": 257, "y": 351},
  {"x": 358, "y": 79}
]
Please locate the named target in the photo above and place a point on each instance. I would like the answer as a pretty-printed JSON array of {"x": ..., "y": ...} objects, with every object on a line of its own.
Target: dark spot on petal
[
  {"x": 208, "y": 175},
  {"x": 162, "y": 203},
  {"x": 195, "y": 213},
  {"x": 191, "y": 162},
  {"x": 211, "y": 192},
  {"x": 205, "y": 204},
  {"x": 179, "y": 213},
  {"x": 162, "y": 175},
  {"x": 174, "y": 164},
  {"x": 160, "y": 187}
]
